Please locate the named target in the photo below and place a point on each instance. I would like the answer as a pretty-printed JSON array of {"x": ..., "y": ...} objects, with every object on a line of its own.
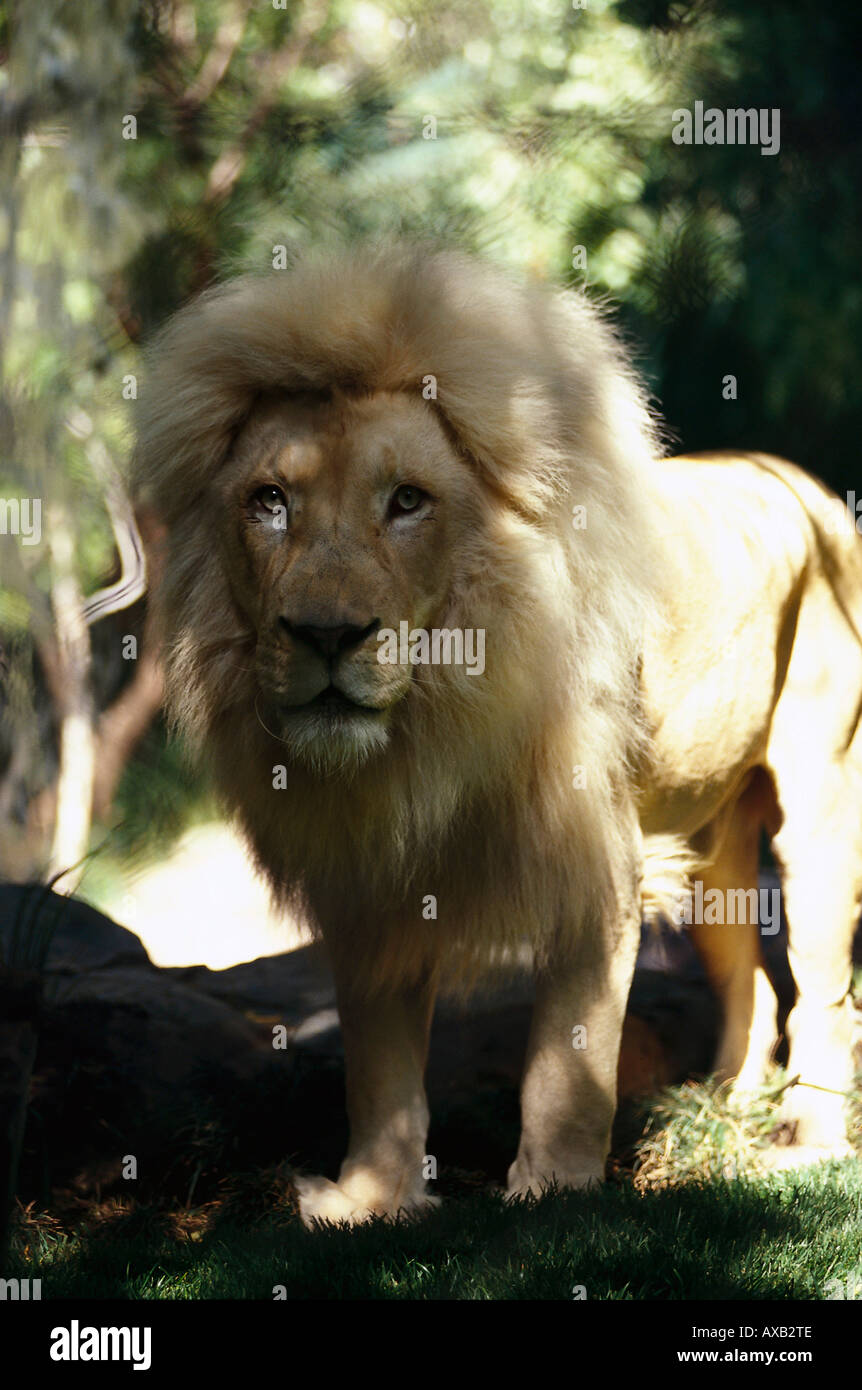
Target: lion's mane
[{"x": 477, "y": 800}]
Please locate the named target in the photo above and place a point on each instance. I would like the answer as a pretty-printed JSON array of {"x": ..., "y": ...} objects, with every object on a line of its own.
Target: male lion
[{"x": 401, "y": 436}]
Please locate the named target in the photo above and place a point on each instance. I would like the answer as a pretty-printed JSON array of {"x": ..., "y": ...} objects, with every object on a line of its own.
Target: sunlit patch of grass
[{"x": 699, "y": 1131}]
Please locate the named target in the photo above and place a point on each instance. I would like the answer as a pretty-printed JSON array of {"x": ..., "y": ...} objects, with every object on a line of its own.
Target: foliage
[{"x": 281, "y": 124}]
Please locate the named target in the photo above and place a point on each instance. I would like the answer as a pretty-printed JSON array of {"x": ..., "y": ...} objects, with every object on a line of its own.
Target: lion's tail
[{"x": 669, "y": 864}]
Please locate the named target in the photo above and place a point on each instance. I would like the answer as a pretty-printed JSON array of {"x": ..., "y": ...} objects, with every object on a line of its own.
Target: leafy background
[{"x": 259, "y": 125}]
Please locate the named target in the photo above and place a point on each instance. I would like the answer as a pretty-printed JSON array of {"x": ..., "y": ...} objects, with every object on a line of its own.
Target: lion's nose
[{"x": 330, "y": 641}]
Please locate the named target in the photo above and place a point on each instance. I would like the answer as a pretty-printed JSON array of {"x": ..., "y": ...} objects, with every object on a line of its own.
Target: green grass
[
  {"x": 699, "y": 1130},
  {"x": 778, "y": 1237},
  {"x": 678, "y": 1227}
]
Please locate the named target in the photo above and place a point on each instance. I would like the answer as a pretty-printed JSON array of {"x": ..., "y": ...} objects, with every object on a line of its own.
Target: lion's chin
[{"x": 333, "y": 741}]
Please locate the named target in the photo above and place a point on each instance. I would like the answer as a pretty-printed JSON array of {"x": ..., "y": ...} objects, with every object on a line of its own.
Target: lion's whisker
[{"x": 265, "y": 727}]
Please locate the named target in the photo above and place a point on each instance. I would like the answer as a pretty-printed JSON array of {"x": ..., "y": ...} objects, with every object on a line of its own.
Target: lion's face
[{"x": 339, "y": 518}]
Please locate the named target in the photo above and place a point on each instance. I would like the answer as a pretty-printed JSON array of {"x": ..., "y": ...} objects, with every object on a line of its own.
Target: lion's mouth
[{"x": 331, "y": 700}]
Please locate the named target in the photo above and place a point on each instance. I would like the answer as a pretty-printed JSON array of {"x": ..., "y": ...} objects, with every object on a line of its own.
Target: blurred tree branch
[{"x": 218, "y": 59}]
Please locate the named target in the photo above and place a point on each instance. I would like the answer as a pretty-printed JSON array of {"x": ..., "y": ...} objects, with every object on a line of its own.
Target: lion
[{"x": 386, "y": 443}]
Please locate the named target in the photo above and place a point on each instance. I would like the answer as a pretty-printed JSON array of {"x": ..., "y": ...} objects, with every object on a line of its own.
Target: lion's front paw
[
  {"x": 321, "y": 1200},
  {"x": 532, "y": 1179}
]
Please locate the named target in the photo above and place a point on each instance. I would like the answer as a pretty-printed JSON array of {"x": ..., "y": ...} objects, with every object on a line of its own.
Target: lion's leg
[
  {"x": 385, "y": 1048},
  {"x": 732, "y": 959},
  {"x": 822, "y": 891},
  {"x": 815, "y": 751},
  {"x": 569, "y": 1088},
  {"x": 733, "y": 962},
  {"x": 731, "y": 951}
]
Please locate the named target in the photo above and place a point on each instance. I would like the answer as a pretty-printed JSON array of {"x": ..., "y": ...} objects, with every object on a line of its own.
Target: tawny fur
[
  {"x": 474, "y": 795},
  {"x": 661, "y": 684}
]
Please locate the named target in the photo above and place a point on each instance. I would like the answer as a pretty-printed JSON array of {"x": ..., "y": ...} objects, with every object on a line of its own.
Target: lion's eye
[
  {"x": 406, "y": 498},
  {"x": 269, "y": 498}
]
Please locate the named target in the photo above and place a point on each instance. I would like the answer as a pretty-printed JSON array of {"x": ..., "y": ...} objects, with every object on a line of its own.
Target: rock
[
  {"x": 130, "y": 1061},
  {"x": 645, "y": 1065},
  {"x": 165, "y": 1030},
  {"x": 83, "y": 938},
  {"x": 295, "y": 986}
]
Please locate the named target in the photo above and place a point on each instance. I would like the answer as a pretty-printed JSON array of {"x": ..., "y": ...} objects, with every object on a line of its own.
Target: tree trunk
[{"x": 75, "y": 779}]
